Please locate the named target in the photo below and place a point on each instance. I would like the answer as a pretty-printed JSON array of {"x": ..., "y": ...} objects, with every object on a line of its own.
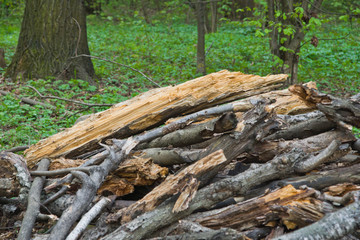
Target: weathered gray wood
[
  {"x": 86, "y": 194},
  {"x": 33, "y": 207}
]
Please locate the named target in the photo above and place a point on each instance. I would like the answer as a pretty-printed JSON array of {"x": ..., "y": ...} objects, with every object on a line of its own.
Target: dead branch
[
  {"x": 18, "y": 148},
  {"x": 29, "y": 100},
  {"x": 88, "y": 191},
  {"x": 120, "y": 64},
  {"x": 33, "y": 207},
  {"x": 336, "y": 109},
  {"x": 60, "y": 171},
  {"x": 313, "y": 162},
  {"x": 69, "y": 100},
  {"x": 87, "y": 218},
  {"x": 80, "y": 204},
  {"x": 194, "y": 133}
]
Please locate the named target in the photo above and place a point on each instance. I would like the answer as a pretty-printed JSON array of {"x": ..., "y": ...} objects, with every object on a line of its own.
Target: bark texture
[{"x": 52, "y": 32}]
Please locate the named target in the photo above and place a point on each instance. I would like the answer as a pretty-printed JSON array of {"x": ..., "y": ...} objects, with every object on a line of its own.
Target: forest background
[{"x": 159, "y": 39}]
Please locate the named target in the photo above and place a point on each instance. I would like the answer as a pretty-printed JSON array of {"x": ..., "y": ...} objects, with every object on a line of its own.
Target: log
[
  {"x": 265, "y": 151},
  {"x": 151, "y": 109},
  {"x": 316, "y": 180},
  {"x": 333, "y": 226},
  {"x": 260, "y": 210},
  {"x": 145, "y": 224},
  {"x": 202, "y": 171},
  {"x": 15, "y": 179},
  {"x": 194, "y": 133},
  {"x": 336, "y": 109}
]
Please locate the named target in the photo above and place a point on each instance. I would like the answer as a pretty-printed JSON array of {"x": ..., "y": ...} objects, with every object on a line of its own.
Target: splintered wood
[
  {"x": 224, "y": 156},
  {"x": 151, "y": 109}
]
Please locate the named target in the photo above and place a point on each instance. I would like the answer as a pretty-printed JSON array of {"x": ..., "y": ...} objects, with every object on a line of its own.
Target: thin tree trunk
[
  {"x": 52, "y": 32},
  {"x": 200, "y": 14},
  {"x": 213, "y": 7}
]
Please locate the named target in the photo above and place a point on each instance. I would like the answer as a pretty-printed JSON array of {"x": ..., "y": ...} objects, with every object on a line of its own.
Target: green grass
[{"x": 166, "y": 53}]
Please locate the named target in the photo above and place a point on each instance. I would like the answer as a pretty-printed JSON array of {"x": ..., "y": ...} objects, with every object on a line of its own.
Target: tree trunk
[
  {"x": 200, "y": 14},
  {"x": 52, "y": 33},
  {"x": 2, "y": 58},
  {"x": 213, "y": 7}
]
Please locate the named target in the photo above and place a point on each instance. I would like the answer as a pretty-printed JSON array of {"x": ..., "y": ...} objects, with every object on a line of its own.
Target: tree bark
[
  {"x": 2, "y": 58},
  {"x": 52, "y": 32}
]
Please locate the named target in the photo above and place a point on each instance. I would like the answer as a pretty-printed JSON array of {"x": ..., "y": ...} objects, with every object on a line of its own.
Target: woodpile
[{"x": 224, "y": 156}]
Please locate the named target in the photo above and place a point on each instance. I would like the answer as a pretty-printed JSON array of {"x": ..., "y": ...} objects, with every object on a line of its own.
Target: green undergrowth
[{"x": 167, "y": 54}]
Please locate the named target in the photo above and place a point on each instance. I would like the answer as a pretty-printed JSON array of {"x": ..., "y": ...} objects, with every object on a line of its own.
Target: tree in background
[
  {"x": 52, "y": 34},
  {"x": 288, "y": 22}
]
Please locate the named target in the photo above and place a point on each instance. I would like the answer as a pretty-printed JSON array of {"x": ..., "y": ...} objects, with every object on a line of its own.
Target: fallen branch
[
  {"x": 120, "y": 64},
  {"x": 69, "y": 100},
  {"x": 28, "y": 100},
  {"x": 88, "y": 191},
  {"x": 33, "y": 207},
  {"x": 87, "y": 218}
]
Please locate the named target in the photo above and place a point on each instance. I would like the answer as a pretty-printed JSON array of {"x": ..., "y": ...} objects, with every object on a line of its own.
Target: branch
[
  {"x": 79, "y": 205},
  {"x": 120, "y": 64},
  {"x": 60, "y": 171},
  {"x": 85, "y": 195},
  {"x": 69, "y": 100},
  {"x": 18, "y": 148},
  {"x": 87, "y": 218},
  {"x": 322, "y": 157},
  {"x": 29, "y": 101},
  {"x": 33, "y": 207}
]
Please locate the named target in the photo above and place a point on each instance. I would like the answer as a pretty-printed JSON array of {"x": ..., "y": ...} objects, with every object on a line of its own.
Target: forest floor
[{"x": 165, "y": 52}]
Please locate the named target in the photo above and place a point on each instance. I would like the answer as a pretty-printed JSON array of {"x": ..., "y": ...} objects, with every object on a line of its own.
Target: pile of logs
[{"x": 224, "y": 156}]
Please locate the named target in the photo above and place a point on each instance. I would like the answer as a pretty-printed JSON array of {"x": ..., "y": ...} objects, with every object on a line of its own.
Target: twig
[
  {"x": 208, "y": 50},
  {"x": 33, "y": 207},
  {"x": 58, "y": 194},
  {"x": 87, "y": 218},
  {"x": 120, "y": 64},
  {"x": 28, "y": 100},
  {"x": 69, "y": 100},
  {"x": 60, "y": 171},
  {"x": 18, "y": 148}
]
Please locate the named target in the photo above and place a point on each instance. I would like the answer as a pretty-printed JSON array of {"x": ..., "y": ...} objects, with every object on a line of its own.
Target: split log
[
  {"x": 333, "y": 226},
  {"x": 259, "y": 211},
  {"x": 151, "y": 109},
  {"x": 132, "y": 172},
  {"x": 198, "y": 173}
]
